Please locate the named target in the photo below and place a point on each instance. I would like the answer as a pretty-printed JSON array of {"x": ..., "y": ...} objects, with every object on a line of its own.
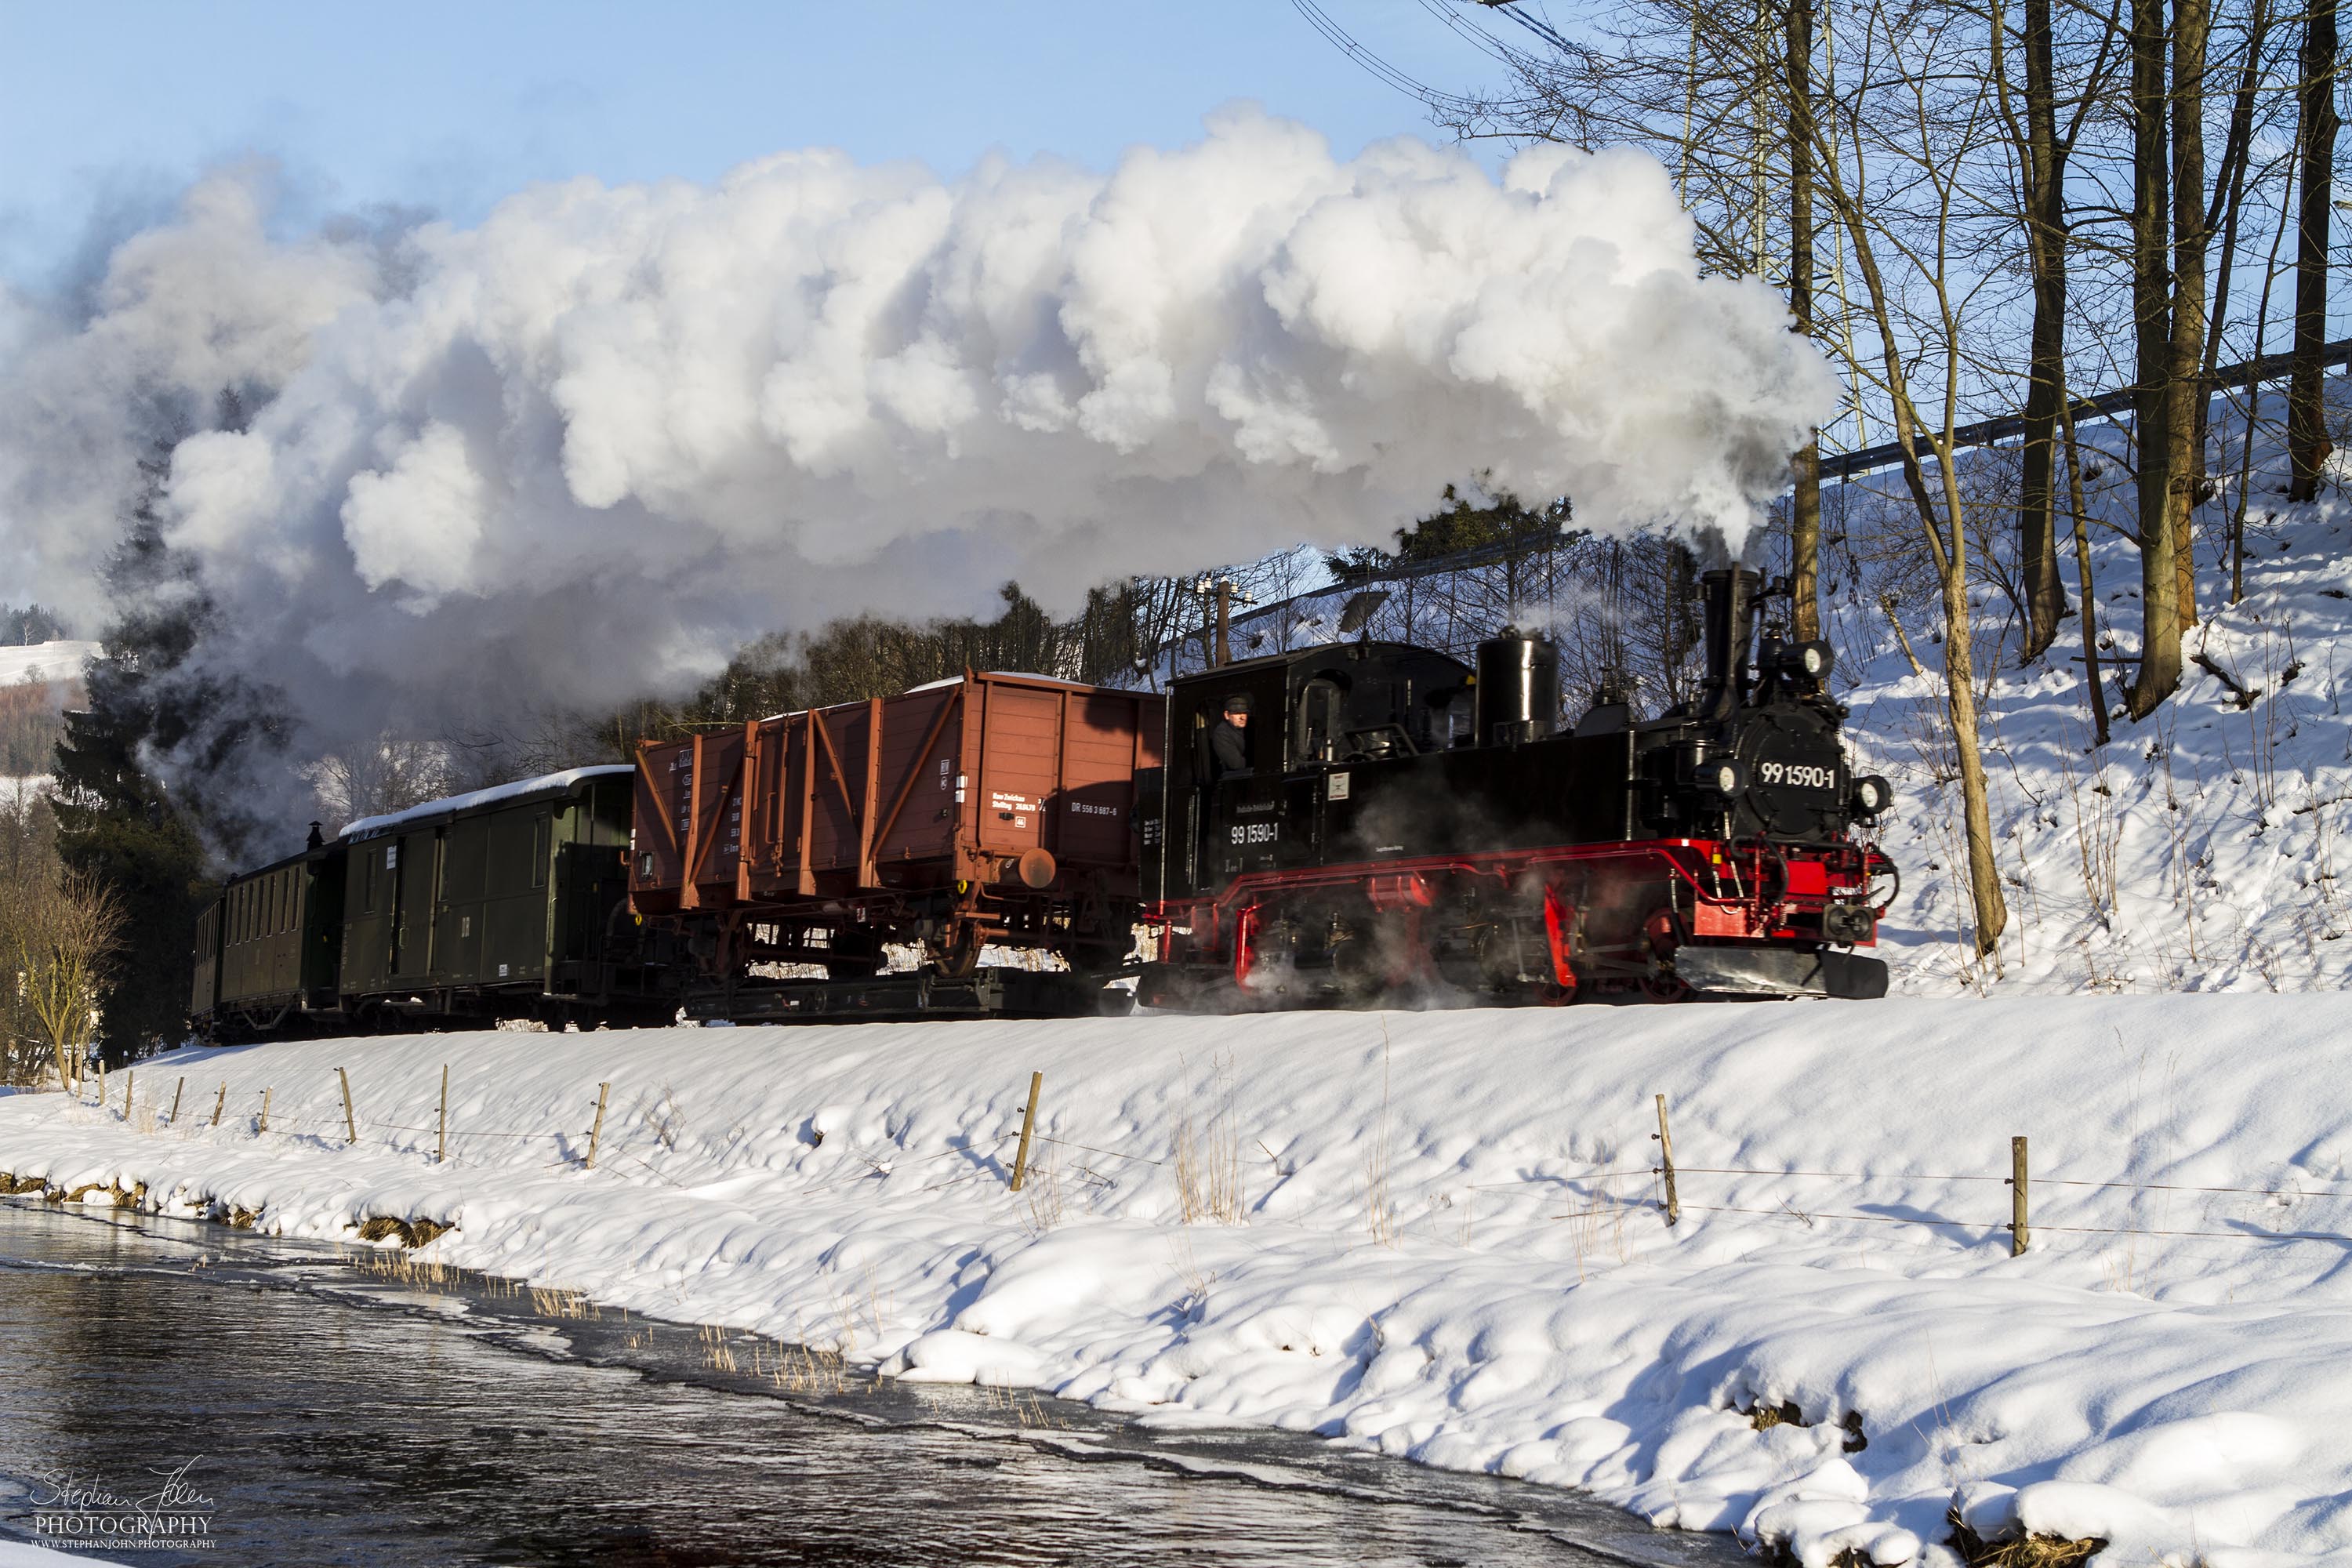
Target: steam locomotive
[
  {"x": 1408, "y": 824},
  {"x": 1393, "y": 825}
]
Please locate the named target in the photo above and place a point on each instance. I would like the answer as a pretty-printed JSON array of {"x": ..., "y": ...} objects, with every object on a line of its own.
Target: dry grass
[
  {"x": 793, "y": 1368},
  {"x": 1195, "y": 1280},
  {"x": 560, "y": 1302},
  {"x": 1043, "y": 1188},
  {"x": 2020, "y": 1551},
  {"x": 400, "y": 1267},
  {"x": 411, "y": 1232},
  {"x": 1379, "y": 1208},
  {"x": 119, "y": 1196},
  {"x": 668, "y": 1122},
  {"x": 1209, "y": 1150},
  {"x": 1027, "y": 1410},
  {"x": 717, "y": 1355}
]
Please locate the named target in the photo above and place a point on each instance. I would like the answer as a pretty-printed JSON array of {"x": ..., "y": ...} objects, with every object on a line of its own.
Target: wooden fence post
[
  {"x": 221, "y": 1104},
  {"x": 1028, "y": 1125},
  {"x": 176, "y": 1092},
  {"x": 101, "y": 1083},
  {"x": 129, "y": 1087},
  {"x": 603, "y": 1090},
  {"x": 264, "y": 1112},
  {"x": 1666, "y": 1164},
  {"x": 350, "y": 1116},
  {"x": 2017, "y": 1235},
  {"x": 441, "y": 1145}
]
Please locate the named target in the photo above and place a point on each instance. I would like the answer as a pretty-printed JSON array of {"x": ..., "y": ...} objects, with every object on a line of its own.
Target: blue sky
[{"x": 110, "y": 109}]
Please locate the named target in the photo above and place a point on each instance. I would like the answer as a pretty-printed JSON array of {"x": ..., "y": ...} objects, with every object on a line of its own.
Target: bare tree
[
  {"x": 65, "y": 931},
  {"x": 1898, "y": 146},
  {"x": 2315, "y": 141}
]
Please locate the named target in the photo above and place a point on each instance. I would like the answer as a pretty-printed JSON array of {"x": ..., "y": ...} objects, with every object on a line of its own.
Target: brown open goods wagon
[{"x": 993, "y": 808}]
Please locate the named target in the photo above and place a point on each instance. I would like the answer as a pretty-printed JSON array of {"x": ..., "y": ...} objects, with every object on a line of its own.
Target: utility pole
[{"x": 1219, "y": 594}]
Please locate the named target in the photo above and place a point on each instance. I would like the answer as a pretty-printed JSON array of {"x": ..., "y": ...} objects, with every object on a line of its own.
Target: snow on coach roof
[{"x": 547, "y": 784}]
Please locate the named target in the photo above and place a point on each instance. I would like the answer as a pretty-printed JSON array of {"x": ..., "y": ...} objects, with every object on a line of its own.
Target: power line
[
  {"x": 1536, "y": 25},
  {"x": 1320, "y": 20}
]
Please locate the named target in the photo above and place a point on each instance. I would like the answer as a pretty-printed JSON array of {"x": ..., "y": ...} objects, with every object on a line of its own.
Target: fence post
[
  {"x": 101, "y": 1083},
  {"x": 441, "y": 1146},
  {"x": 264, "y": 1112},
  {"x": 176, "y": 1092},
  {"x": 1028, "y": 1125},
  {"x": 2017, "y": 1235},
  {"x": 351, "y": 1118},
  {"x": 598, "y": 1131},
  {"x": 1666, "y": 1164},
  {"x": 129, "y": 1087},
  {"x": 221, "y": 1104}
]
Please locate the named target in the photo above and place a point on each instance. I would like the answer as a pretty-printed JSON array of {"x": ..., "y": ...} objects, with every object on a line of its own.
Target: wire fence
[{"x": 1666, "y": 1179}]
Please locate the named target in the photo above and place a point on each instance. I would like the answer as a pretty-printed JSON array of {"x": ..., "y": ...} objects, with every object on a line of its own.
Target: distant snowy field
[
  {"x": 44, "y": 661},
  {"x": 1435, "y": 1235}
]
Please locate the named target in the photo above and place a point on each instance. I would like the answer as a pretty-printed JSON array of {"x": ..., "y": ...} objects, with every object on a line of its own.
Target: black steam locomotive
[{"x": 1403, "y": 825}]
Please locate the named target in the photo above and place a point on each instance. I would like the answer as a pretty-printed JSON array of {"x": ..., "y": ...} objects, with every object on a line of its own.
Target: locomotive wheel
[{"x": 1663, "y": 937}]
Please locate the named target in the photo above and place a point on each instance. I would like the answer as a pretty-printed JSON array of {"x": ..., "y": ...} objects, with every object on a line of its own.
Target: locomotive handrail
[{"x": 1481, "y": 863}]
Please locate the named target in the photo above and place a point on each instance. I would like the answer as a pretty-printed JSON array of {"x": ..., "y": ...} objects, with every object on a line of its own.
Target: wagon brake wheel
[{"x": 959, "y": 954}]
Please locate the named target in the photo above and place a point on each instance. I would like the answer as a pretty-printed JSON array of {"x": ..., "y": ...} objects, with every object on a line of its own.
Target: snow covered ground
[
  {"x": 1435, "y": 1235},
  {"x": 2200, "y": 850},
  {"x": 44, "y": 661}
]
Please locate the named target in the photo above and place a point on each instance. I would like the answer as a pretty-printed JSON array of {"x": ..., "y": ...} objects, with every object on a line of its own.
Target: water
[{"x": 319, "y": 1414}]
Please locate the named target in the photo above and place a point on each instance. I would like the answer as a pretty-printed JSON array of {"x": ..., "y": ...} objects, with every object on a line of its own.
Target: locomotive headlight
[
  {"x": 1725, "y": 778},
  {"x": 1872, "y": 795},
  {"x": 1813, "y": 661}
]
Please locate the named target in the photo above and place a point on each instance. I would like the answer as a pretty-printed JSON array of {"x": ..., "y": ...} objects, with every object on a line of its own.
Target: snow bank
[{"x": 1428, "y": 1250}]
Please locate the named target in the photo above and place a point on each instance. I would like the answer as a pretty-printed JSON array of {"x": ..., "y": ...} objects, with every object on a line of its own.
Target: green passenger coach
[{"x": 506, "y": 903}]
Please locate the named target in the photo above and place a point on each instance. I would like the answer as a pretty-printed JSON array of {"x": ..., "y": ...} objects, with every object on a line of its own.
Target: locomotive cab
[{"x": 1315, "y": 716}]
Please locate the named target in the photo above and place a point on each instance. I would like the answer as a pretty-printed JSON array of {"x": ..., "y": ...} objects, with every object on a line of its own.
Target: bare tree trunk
[
  {"x": 2253, "y": 408},
  {"x": 2085, "y": 587},
  {"x": 2044, "y": 166},
  {"x": 2229, "y": 207},
  {"x": 2306, "y": 422},
  {"x": 1805, "y": 497},
  {"x": 2159, "y": 661},
  {"x": 2192, "y": 23},
  {"x": 1961, "y": 695},
  {"x": 1946, "y": 542}
]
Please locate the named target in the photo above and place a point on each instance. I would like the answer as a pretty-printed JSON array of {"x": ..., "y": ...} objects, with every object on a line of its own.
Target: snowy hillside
[
  {"x": 44, "y": 661},
  {"x": 1435, "y": 1235},
  {"x": 2200, "y": 850}
]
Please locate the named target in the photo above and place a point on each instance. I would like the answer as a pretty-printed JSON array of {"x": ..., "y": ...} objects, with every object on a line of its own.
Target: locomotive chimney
[
  {"x": 1730, "y": 597},
  {"x": 1517, "y": 696}
]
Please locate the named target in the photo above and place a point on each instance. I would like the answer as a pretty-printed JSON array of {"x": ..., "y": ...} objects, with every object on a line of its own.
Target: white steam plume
[{"x": 587, "y": 449}]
